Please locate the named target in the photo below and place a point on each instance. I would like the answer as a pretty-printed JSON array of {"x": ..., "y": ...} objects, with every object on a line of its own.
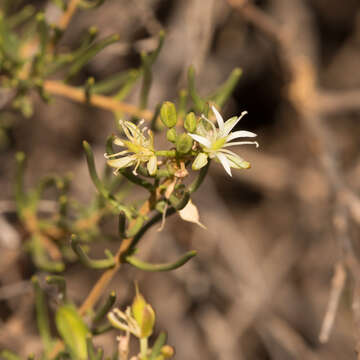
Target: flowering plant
[
  {"x": 214, "y": 142},
  {"x": 141, "y": 147},
  {"x": 55, "y": 241}
]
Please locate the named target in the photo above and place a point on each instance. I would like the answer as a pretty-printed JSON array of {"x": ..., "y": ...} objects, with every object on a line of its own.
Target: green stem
[
  {"x": 143, "y": 348},
  {"x": 142, "y": 265},
  {"x": 156, "y": 218},
  {"x": 92, "y": 353},
  {"x": 199, "y": 179},
  {"x": 167, "y": 153}
]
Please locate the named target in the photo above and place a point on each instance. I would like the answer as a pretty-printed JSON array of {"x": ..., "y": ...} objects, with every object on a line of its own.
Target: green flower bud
[
  {"x": 144, "y": 315},
  {"x": 184, "y": 144},
  {"x": 190, "y": 122},
  {"x": 168, "y": 114},
  {"x": 200, "y": 161},
  {"x": 167, "y": 351},
  {"x": 171, "y": 135}
]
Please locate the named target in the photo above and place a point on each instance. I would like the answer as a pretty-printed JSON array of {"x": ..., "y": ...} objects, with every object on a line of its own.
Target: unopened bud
[
  {"x": 190, "y": 122},
  {"x": 171, "y": 135},
  {"x": 184, "y": 144},
  {"x": 167, "y": 351},
  {"x": 168, "y": 114}
]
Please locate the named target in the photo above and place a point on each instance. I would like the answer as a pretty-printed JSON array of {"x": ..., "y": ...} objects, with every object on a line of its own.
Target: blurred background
[{"x": 260, "y": 285}]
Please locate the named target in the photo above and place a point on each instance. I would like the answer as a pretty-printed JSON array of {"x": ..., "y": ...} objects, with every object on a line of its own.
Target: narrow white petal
[
  {"x": 200, "y": 130},
  {"x": 202, "y": 140},
  {"x": 226, "y": 151},
  {"x": 118, "y": 141},
  {"x": 237, "y": 162},
  {"x": 242, "y": 143},
  {"x": 117, "y": 323},
  {"x": 122, "y": 162},
  {"x": 229, "y": 125},
  {"x": 224, "y": 162},
  {"x": 241, "y": 133},
  {"x": 152, "y": 165},
  {"x": 211, "y": 124},
  {"x": 219, "y": 118},
  {"x": 109, "y": 156}
]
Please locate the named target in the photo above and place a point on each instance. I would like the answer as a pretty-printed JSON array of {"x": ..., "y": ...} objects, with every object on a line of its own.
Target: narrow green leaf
[
  {"x": 42, "y": 316},
  {"x": 101, "y": 313},
  {"x": 98, "y": 183},
  {"x": 41, "y": 258},
  {"x": 93, "y": 264},
  {"x": 115, "y": 81},
  {"x": 226, "y": 89},
  {"x": 89, "y": 53},
  {"x": 199, "y": 103},
  {"x": 72, "y": 330},
  {"x": 159, "y": 343},
  {"x": 145, "y": 266},
  {"x": 182, "y": 103}
]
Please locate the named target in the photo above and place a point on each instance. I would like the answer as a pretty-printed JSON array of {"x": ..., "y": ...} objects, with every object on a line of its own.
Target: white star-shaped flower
[
  {"x": 140, "y": 148},
  {"x": 214, "y": 142}
]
